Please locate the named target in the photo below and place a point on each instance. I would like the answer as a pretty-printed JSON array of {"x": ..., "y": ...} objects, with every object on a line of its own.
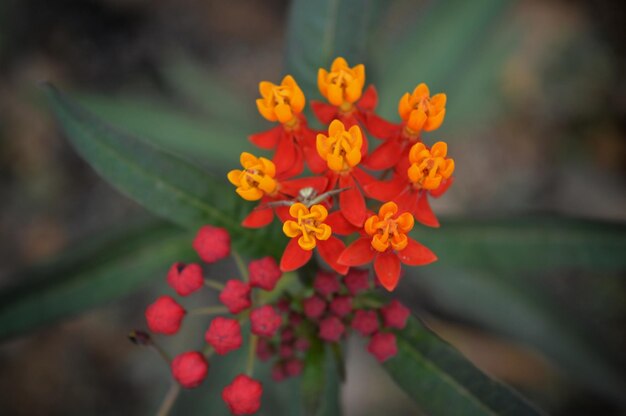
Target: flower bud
[
  {"x": 331, "y": 329},
  {"x": 341, "y": 306},
  {"x": 224, "y": 335},
  {"x": 243, "y": 395},
  {"x": 395, "y": 314},
  {"x": 189, "y": 369},
  {"x": 185, "y": 279},
  {"x": 357, "y": 281},
  {"x": 314, "y": 307},
  {"x": 365, "y": 322},
  {"x": 326, "y": 283},
  {"x": 383, "y": 346},
  {"x": 236, "y": 296},
  {"x": 165, "y": 315},
  {"x": 265, "y": 321},
  {"x": 264, "y": 273},
  {"x": 212, "y": 243}
]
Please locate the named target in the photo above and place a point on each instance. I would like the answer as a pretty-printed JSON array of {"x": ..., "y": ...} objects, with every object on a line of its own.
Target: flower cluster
[
  {"x": 318, "y": 211},
  {"x": 357, "y": 207}
]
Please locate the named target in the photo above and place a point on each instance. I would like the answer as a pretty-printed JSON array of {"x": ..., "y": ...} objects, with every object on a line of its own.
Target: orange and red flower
[
  {"x": 387, "y": 244},
  {"x": 308, "y": 230}
]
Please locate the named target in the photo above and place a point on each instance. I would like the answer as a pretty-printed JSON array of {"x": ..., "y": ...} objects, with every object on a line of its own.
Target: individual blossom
[
  {"x": 224, "y": 335},
  {"x": 264, "y": 273},
  {"x": 365, "y": 322},
  {"x": 165, "y": 315},
  {"x": 341, "y": 306},
  {"x": 419, "y": 112},
  {"x": 243, "y": 395},
  {"x": 259, "y": 181},
  {"x": 326, "y": 283},
  {"x": 189, "y": 369},
  {"x": 292, "y": 139},
  {"x": 341, "y": 150},
  {"x": 383, "y": 346},
  {"x": 307, "y": 231},
  {"x": 185, "y": 278},
  {"x": 331, "y": 329},
  {"x": 236, "y": 296},
  {"x": 265, "y": 321},
  {"x": 212, "y": 243},
  {"x": 429, "y": 174},
  {"x": 395, "y": 315},
  {"x": 387, "y": 244},
  {"x": 357, "y": 281}
]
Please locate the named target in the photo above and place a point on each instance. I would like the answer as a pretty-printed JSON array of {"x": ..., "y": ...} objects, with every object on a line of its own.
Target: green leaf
[
  {"x": 320, "y": 384},
  {"x": 443, "y": 382},
  {"x": 162, "y": 182},
  {"x": 96, "y": 272},
  {"x": 319, "y": 31},
  {"x": 527, "y": 243}
]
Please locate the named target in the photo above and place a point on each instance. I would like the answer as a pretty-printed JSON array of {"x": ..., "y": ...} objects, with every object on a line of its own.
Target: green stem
[
  {"x": 161, "y": 352},
  {"x": 209, "y": 310},
  {"x": 251, "y": 354},
  {"x": 169, "y": 399},
  {"x": 214, "y": 284},
  {"x": 241, "y": 265}
]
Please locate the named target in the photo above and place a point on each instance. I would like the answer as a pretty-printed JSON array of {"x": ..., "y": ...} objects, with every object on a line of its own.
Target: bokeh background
[{"x": 535, "y": 122}]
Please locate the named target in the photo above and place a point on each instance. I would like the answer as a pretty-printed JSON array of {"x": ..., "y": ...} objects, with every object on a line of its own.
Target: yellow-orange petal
[
  {"x": 416, "y": 121},
  {"x": 322, "y": 83},
  {"x": 334, "y": 94},
  {"x": 448, "y": 169},
  {"x": 439, "y": 149},
  {"x": 414, "y": 173},
  {"x": 264, "y": 110},
  {"x": 387, "y": 208},
  {"x": 416, "y": 153},
  {"x": 353, "y": 157},
  {"x": 336, "y": 127},
  {"x": 338, "y": 63},
  {"x": 404, "y": 106},
  {"x": 369, "y": 225},
  {"x": 325, "y": 232},
  {"x": 234, "y": 177},
  {"x": 265, "y": 88},
  {"x": 438, "y": 100},
  {"x": 248, "y": 160},
  {"x": 267, "y": 184},
  {"x": 320, "y": 212},
  {"x": 380, "y": 244},
  {"x": 434, "y": 122},
  {"x": 307, "y": 243},
  {"x": 431, "y": 182},
  {"x": 405, "y": 222},
  {"x": 353, "y": 91},
  {"x": 359, "y": 73},
  {"x": 283, "y": 113},
  {"x": 268, "y": 166},
  {"x": 399, "y": 242},
  {"x": 297, "y": 99},
  {"x": 298, "y": 208},
  {"x": 321, "y": 145},
  {"x": 335, "y": 162},
  {"x": 250, "y": 194},
  {"x": 291, "y": 229},
  {"x": 420, "y": 92}
]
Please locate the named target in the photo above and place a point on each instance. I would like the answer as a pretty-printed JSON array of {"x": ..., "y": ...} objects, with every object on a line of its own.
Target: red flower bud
[
  {"x": 243, "y": 395},
  {"x": 236, "y": 296},
  {"x": 165, "y": 315},
  {"x": 383, "y": 346},
  {"x": 294, "y": 367},
  {"x": 189, "y": 369},
  {"x": 314, "y": 307},
  {"x": 265, "y": 321},
  {"x": 357, "y": 281},
  {"x": 365, "y": 322},
  {"x": 264, "y": 273},
  {"x": 341, "y": 306},
  {"x": 212, "y": 243},
  {"x": 326, "y": 283},
  {"x": 264, "y": 349},
  {"x": 224, "y": 335},
  {"x": 331, "y": 329},
  {"x": 185, "y": 279},
  {"x": 395, "y": 314}
]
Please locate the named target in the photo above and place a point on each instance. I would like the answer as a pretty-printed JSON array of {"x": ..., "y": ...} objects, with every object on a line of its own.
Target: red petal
[
  {"x": 351, "y": 201},
  {"x": 325, "y": 113},
  {"x": 332, "y": 180},
  {"x": 358, "y": 253},
  {"x": 294, "y": 256},
  {"x": 424, "y": 213},
  {"x": 267, "y": 139},
  {"x": 381, "y": 128},
  {"x": 386, "y": 191},
  {"x": 416, "y": 254},
  {"x": 292, "y": 187},
  {"x": 369, "y": 99},
  {"x": 445, "y": 184},
  {"x": 387, "y": 267},
  {"x": 330, "y": 250},
  {"x": 283, "y": 213},
  {"x": 339, "y": 224},
  {"x": 407, "y": 201},
  {"x": 285, "y": 155},
  {"x": 258, "y": 218},
  {"x": 386, "y": 155},
  {"x": 362, "y": 177}
]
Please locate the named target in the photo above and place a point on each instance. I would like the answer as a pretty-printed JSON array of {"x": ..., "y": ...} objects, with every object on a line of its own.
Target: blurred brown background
[{"x": 553, "y": 141}]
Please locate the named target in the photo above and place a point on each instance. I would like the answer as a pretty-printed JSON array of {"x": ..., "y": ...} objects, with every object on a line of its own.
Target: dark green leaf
[
  {"x": 98, "y": 271},
  {"x": 319, "y": 31},
  {"x": 162, "y": 182},
  {"x": 443, "y": 382},
  {"x": 320, "y": 384}
]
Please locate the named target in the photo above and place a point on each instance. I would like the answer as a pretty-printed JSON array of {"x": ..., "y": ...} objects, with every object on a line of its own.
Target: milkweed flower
[
  {"x": 190, "y": 369},
  {"x": 243, "y": 395},
  {"x": 308, "y": 230},
  {"x": 429, "y": 174},
  {"x": 387, "y": 244},
  {"x": 341, "y": 150},
  {"x": 419, "y": 112},
  {"x": 292, "y": 139}
]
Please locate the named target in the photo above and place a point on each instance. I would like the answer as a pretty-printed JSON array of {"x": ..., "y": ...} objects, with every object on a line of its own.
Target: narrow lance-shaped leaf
[
  {"x": 443, "y": 382},
  {"x": 162, "y": 182}
]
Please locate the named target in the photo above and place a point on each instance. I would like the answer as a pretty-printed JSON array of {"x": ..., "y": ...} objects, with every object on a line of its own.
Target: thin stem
[
  {"x": 209, "y": 310},
  {"x": 214, "y": 284},
  {"x": 169, "y": 399},
  {"x": 241, "y": 265},
  {"x": 161, "y": 352},
  {"x": 251, "y": 354}
]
